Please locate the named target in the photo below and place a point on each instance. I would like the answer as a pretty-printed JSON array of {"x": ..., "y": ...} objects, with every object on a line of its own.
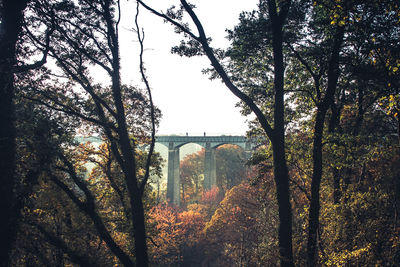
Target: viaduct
[{"x": 210, "y": 143}]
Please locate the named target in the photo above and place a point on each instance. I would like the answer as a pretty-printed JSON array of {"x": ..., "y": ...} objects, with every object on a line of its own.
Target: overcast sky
[{"x": 188, "y": 100}]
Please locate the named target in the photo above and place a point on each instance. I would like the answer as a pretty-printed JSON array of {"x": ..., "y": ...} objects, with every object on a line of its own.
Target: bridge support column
[
  {"x": 247, "y": 155},
  {"x": 247, "y": 151},
  {"x": 210, "y": 168},
  {"x": 173, "y": 183}
]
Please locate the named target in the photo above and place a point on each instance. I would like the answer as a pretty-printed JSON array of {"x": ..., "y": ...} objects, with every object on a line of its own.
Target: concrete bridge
[{"x": 210, "y": 143}]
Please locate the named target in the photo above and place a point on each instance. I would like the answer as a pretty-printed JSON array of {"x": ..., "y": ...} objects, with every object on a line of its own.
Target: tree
[
  {"x": 231, "y": 169},
  {"x": 11, "y": 17},
  {"x": 11, "y": 20},
  {"x": 344, "y": 31},
  {"x": 86, "y": 33},
  {"x": 38, "y": 137},
  {"x": 319, "y": 72},
  {"x": 177, "y": 236},
  {"x": 233, "y": 231},
  {"x": 199, "y": 44},
  {"x": 248, "y": 62},
  {"x": 323, "y": 103},
  {"x": 191, "y": 175},
  {"x": 361, "y": 229}
]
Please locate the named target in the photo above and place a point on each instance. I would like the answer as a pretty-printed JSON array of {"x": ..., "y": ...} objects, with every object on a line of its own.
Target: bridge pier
[
  {"x": 173, "y": 182},
  {"x": 210, "y": 168},
  {"x": 247, "y": 151}
]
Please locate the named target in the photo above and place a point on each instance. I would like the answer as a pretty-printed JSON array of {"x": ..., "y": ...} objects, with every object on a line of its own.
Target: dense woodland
[{"x": 319, "y": 81}]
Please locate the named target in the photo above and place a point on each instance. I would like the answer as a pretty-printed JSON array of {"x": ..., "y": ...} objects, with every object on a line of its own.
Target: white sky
[{"x": 189, "y": 101}]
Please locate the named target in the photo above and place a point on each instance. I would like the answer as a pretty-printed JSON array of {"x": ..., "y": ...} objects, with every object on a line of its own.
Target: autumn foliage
[{"x": 176, "y": 235}]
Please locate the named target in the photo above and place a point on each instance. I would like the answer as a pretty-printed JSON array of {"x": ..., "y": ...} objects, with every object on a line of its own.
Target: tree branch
[
  {"x": 153, "y": 123},
  {"x": 315, "y": 77},
  {"x": 224, "y": 76},
  {"x": 74, "y": 256},
  {"x": 85, "y": 84},
  {"x": 88, "y": 207},
  {"x": 68, "y": 111},
  {"x": 41, "y": 62},
  {"x": 173, "y": 22}
]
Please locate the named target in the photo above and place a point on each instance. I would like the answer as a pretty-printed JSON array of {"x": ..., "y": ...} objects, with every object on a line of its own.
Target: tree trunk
[
  {"x": 281, "y": 173},
  {"x": 281, "y": 176},
  {"x": 313, "y": 218},
  {"x": 11, "y": 14},
  {"x": 136, "y": 202},
  {"x": 333, "y": 124},
  {"x": 139, "y": 232},
  {"x": 127, "y": 149}
]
